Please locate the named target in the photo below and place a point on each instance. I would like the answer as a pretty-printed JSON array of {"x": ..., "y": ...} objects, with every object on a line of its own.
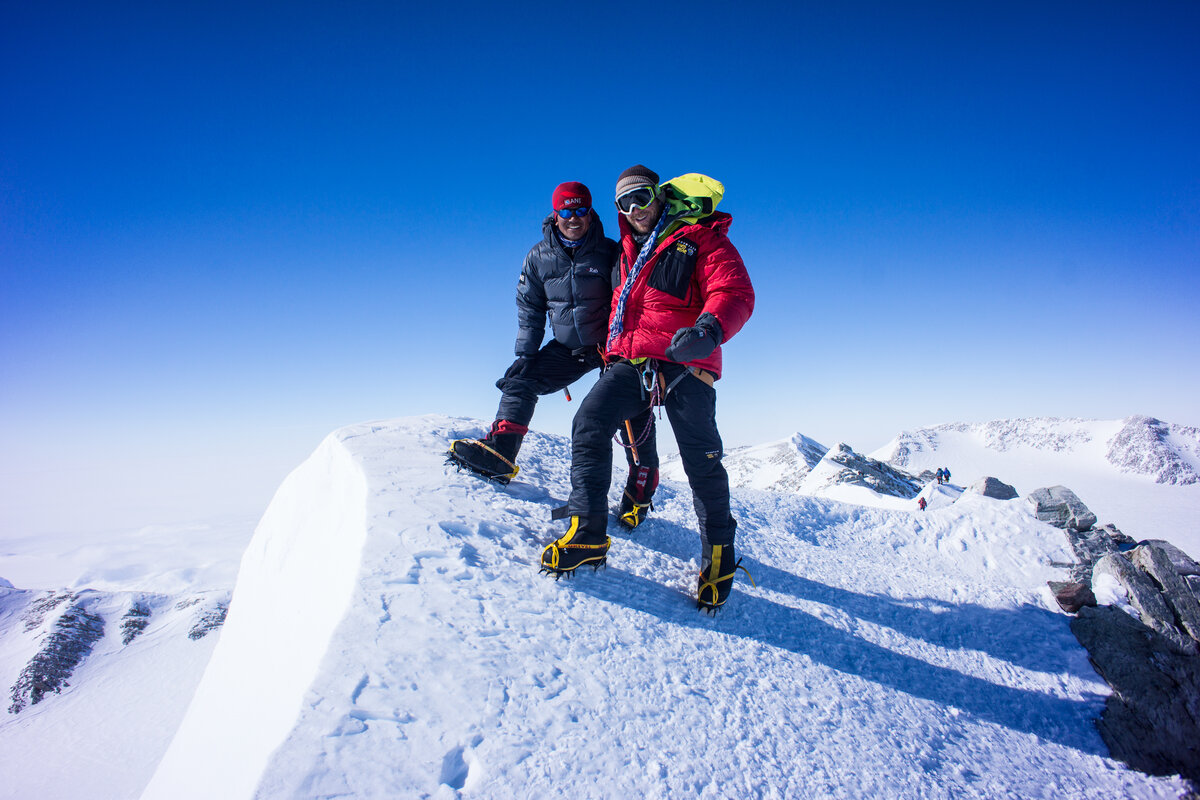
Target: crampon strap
[
  {"x": 711, "y": 585},
  {"x": 515, "y": 468}
]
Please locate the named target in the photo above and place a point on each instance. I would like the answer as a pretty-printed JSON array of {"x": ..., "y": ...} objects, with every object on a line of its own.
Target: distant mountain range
[
  {"x": 1139, "y": 445},
  {"x": 1139, "y": 473}
]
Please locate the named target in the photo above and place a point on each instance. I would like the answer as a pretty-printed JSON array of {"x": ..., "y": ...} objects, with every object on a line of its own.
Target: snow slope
[
  {"x": 104, "y": 731},
  {"x": 389, "y": 636},
  {"x": 1132, "y": 472}
]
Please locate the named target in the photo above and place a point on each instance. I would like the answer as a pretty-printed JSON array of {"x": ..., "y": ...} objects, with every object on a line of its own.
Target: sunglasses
[
  {"x": 636, "y": 198},
  {"x": 567, "y": 213}
]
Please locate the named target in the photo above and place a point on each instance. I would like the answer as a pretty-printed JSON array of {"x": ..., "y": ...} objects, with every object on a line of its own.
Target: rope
[{"x": 617, "y": 326}]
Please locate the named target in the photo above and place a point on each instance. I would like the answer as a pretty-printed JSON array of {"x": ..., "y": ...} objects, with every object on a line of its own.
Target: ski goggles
[
  {"x": 567, "y": 213},
  {"x": 637, "y": 198}
]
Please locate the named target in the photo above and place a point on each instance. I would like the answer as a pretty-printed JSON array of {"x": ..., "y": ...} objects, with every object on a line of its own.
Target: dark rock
[
  {"x": 1090, "y": 546},
  {"x": 42, "y": 607},
  {"x": 1060, "y": 507},
  {"x": 1183, "y": 563},
  {"x": 995, "y": 488},
  {"x": 134, "y": 622},
  {"x": 1152, "y": 719},
  {"x": 1145, "y": 597},
  {"x": 1155, "y": 562},
  {"x": 208, "y": 620},
  {"x": 71, "y": 639},
  {"x": 1072, "y": 595}
]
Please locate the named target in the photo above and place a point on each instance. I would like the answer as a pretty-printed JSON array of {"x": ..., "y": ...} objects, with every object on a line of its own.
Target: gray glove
[{"x": 696, "y": 342}]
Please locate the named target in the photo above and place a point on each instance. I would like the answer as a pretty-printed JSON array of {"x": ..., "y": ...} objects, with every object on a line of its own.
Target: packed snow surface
[{"x": 390, "y": 636}]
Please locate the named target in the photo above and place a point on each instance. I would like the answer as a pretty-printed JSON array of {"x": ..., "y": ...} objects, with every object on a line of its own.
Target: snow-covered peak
[
  {"x": 1166, "y": 452},
  {"x": 777, "y": 466}
]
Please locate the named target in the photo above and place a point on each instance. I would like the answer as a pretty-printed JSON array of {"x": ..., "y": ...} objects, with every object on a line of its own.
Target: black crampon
[{"x": 477, "y": 456}]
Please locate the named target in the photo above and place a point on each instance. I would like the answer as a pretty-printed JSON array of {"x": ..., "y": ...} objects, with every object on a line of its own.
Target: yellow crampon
[
  {"x": 712, "y": 585},
  {"x": 634, "y": 516},
  {"x": 564, "y": 555}
]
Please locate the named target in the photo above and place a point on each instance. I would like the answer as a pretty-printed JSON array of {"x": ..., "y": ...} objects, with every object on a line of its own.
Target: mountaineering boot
[
  {"x": 585, "y": 542},
  {"x": 635, "y": 502},
  {"x": 717, "y": 566},
  {"x": 495, "y": 456}
]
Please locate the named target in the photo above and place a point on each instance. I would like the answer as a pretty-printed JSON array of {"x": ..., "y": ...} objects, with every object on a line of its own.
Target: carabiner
[{"x": 649, "y": 376}]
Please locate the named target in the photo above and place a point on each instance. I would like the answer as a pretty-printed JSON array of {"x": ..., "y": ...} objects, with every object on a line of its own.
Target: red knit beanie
[{"x": 571, "y": 194}]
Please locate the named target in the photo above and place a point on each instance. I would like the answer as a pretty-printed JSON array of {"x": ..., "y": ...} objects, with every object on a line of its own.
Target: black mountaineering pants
[
  {"x": 554, "y": 368},
  {"x": 692, "y": 409}
]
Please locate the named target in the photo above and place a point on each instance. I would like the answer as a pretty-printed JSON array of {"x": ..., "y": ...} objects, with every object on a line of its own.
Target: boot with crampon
[
  {"x": 717, "y": 566},
  {"x": 585, "y": 542},
  {"x": 495, "y": 456},
  {"x": 636, "y": 501}
]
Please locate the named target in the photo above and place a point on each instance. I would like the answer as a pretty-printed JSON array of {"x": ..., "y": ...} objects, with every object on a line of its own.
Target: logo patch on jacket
[
  {"x": 521, "y": 280},
  {"x": 673, "y": 272}
]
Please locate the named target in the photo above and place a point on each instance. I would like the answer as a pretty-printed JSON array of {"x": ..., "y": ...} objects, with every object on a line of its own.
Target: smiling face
[
  {"x": 642, "y": 219},
  {"x": 573, "y": 227}
]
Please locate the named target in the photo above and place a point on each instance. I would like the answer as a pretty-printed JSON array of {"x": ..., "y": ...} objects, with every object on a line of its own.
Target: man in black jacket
[{"x": 567, "y": 277}]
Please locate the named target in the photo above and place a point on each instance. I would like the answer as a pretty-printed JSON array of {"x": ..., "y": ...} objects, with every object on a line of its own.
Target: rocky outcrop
[
  {"x": 845, "y": 466},
  {"x": 1152, "y": 719},
  {"x": 1115, "y": 576},
  {"x": 1060, "y": 507},
  {"x": 994, "y": 488},
  {"x": 135, "y": 621},
  {"x": 70, "y": 639},
  {"x": 1146, "y": 646},
  {"x": 1138, "y": 616},
  {"x": 1182, "y": 604},
  {"x": 63, "y": 629}
]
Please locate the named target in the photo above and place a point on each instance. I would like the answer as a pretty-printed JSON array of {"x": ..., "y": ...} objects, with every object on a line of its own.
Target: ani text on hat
[{"x": 571, "y": 194}]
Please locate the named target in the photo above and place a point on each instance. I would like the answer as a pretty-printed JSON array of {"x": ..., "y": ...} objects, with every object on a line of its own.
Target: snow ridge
[{"x": 882, "y": 653}]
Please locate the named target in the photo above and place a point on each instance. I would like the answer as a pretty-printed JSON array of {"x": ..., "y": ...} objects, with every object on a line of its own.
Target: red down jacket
[{"x": 693, "y": 270}]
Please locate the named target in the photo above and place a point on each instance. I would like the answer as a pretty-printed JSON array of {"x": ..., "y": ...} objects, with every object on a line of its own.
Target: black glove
[
  {"x": 696, "y": 342},
  {"x": 520, "y": 367}
]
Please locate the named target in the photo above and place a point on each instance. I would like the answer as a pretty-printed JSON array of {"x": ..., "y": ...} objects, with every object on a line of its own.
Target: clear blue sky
[{"x": 226, "y": 230}]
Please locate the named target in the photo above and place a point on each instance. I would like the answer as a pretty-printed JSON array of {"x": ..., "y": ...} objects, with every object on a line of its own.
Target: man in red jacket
[{"x": 681, "y": 291}]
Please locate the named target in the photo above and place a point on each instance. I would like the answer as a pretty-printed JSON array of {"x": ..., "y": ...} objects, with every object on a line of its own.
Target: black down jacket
[{"x": 575, "y": 291}]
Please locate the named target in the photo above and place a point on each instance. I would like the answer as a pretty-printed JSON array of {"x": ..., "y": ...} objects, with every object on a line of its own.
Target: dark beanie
[
  {"x": 570, "y": 195},
  {"x": 635, "y": 177}
]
